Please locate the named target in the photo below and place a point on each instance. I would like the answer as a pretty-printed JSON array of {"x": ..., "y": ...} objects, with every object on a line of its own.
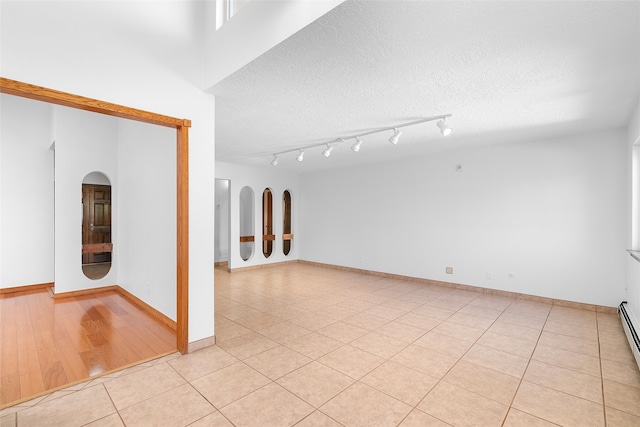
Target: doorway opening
[
  {"x": 181, "y": 126},
  {"x": 222, "y": 224}
]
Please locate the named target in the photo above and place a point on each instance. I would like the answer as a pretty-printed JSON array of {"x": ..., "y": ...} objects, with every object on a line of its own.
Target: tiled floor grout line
[
  {"x": 529, "y": 359},
  {"x": 358, "y": 380},
  {"x": 322, "y": 297},
  {"x": 525, "y": 370},
  {"x": 112, "y": 402},
  {"x": 459, "y": 358},
  {"x": 415, "y": 407},
  {"x": 604, "y": 403}
]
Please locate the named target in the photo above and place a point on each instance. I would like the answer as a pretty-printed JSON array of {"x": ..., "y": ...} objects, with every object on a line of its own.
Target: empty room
[{"x": 320, "y": 213}]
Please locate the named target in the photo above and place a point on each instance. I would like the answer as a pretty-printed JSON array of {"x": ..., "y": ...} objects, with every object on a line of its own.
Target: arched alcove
[
  {"x": 287, "y": 234},
  {"x": 267, "y": 223},
  {"x": 247, "y": 236},
  {"x": 96, "y": 225}
]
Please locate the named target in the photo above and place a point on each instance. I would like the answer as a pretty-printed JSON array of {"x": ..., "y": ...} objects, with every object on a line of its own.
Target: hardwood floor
[{"x": 46, "y": 343}]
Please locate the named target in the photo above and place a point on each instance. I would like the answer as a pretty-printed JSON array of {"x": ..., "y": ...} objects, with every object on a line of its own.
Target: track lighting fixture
[
  {"x": 356, "y": 147},
  {"x": 444, "y": 129},
  {"x": 395, "y": 137}
]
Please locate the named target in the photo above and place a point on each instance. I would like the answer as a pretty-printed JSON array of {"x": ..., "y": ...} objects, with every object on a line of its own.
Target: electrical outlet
[
  {"x": 449, "y": 270},
  {"x": 489, "y": 275}
]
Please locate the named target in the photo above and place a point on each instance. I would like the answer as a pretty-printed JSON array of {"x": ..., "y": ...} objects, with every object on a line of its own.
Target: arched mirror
[
  {"x": 246, "y": 223},
  {"x": 267, "y": 223},
  {"x": 96, "y": 225},
  {"x": 287, "y": 235}
]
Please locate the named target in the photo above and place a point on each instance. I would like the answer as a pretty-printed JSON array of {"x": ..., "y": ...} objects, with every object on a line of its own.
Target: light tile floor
[{"x": 311, "y": 346}]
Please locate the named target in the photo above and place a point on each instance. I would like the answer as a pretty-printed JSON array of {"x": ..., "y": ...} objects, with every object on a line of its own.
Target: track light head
[
  {"x": 356, "y": 147},
  {"x": 395, "y": 137},
  {"x": 300, "y": 156},
  {"x": 444, "y": 129},
  {"x": 274, "y": 162},
  {"x": 327, "y": 152}
]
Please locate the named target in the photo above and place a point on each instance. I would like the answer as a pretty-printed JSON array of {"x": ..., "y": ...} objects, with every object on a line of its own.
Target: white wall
[
  {"x": 633, "y": 221},
  {"x": 146, "y": 214},
  {"x": 259, "y": 179},
  {"x": 552, "y": 213},
  {"x": 146, "y": 55},
  {"x": 26, "y": 192},
  {"x": 85, "y": 142}
]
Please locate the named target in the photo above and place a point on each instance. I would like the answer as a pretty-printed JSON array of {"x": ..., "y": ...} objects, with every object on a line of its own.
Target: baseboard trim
[
  {"x": 26, "y": 288},
  {"x": 82, "y": 292},
  {"x": 162, "y": 318},
  {"x": 527, "y": 297},
  {"x": 86, "y": 380},
  {"x": 261, "y": 266},
  {"x": 200, "y": 344},
  {"x": 167, "y": 321}
]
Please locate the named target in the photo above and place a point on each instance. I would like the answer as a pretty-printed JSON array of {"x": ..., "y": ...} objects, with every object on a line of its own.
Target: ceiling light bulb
[
  {"x": 300, "y": 156},
  {"x": 444, "y": 129},
  {"x": 356, "y": 147},
  {"x": 327, "y": 152},
  {"x": 274, "y": 162},
  {"x": 395, "y": 137}
]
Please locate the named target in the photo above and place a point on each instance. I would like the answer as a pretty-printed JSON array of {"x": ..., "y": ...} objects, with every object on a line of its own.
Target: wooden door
[{"x": 96, "y": 223}]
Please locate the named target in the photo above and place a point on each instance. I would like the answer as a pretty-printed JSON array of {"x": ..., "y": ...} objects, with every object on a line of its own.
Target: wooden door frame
[{"x": 25, "y": 90}]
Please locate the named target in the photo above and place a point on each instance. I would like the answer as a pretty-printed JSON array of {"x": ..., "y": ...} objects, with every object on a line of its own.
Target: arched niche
[
  {"x": 267, "y": 223},
  {"x": 96, "y": 225},
  {"x": 287, "y": 233},
  {"x": 247, "y": 235}
]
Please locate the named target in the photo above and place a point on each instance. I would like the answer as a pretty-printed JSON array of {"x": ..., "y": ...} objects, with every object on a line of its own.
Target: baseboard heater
[{"x": 630, "y": 331}]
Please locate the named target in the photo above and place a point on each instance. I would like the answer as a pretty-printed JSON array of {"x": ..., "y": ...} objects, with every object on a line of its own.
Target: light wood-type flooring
[{"x": 46, "y": 344}]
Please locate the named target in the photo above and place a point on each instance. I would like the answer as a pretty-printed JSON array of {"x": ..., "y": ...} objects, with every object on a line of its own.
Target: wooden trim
[
  {"x": 85, "y": 380},
  {"x": 162, "y": 318},
  {"x": 245, "y": 239},
  {"x": 287, "y": 236},
  {"x": 266, "y": 237},
  {"x": 25, "y": 90},
  {"x": 508, "y": 294},
  {"x": 26, "y": 288},
  {"x": 203, "y": 343},
  {"x": 182, "y": 270},
  {"x": 92, "y": 248},
  {"x": 260, "y": 266},
  {"x": 88, "y": 291},
  {"x": 39, "y": 93}
]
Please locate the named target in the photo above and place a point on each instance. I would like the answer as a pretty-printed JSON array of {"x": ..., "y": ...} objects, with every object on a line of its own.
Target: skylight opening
[{"x": 225, "y": 9}]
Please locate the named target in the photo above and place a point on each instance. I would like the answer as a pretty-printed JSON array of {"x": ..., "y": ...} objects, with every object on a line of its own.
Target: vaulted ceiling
[{"x": 507, "y": 71}]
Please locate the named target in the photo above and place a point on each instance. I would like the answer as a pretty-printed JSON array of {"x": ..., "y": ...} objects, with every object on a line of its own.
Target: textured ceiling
[{"x": 507, "y": 71}]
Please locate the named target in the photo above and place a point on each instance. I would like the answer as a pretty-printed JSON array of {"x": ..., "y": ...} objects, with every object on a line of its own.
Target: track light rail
[{"x": 444, "y": 129}]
